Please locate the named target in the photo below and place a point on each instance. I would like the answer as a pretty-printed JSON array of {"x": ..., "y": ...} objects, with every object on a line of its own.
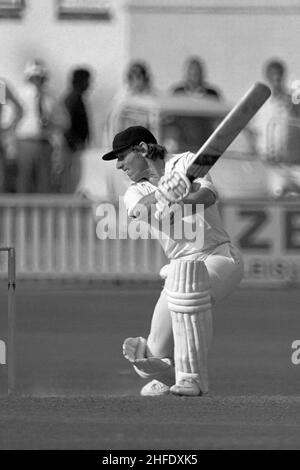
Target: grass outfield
[
  {"x": 75, "y": 390},
  {"x": 109, "y": 422}
]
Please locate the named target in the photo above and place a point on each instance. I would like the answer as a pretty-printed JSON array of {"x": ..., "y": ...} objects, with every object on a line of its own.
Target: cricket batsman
[{"x": 173, "y": 358}]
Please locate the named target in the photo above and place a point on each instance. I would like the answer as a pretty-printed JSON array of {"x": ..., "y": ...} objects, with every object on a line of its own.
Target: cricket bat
[
  {"x": 216, "y": 144},
  {"x": 228, "y": 130}
]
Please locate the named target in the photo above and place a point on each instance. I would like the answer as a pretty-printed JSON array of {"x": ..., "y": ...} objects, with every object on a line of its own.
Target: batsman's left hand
[{"x": 172, "y": 187}]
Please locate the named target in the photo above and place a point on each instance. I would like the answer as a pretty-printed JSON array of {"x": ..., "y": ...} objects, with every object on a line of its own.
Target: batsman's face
[{"x": 133, "y": 164}]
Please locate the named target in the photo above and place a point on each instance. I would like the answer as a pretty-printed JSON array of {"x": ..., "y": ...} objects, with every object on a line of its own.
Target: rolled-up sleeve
[{"x": 207, "y": 183}]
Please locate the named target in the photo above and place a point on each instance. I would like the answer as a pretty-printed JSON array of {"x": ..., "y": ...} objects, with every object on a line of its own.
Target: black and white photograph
[{"x": 149, "y": 227}]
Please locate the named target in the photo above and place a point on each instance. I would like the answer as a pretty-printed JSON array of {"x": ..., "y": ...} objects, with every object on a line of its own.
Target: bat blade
[{"x": 228, "y": 130}]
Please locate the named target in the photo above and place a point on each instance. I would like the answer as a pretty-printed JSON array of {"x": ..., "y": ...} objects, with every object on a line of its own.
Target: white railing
[{"x": 55, "y": 237}]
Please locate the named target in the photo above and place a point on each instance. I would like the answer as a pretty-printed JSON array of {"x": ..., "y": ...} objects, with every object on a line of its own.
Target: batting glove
[{"x": 172, "y": 188}]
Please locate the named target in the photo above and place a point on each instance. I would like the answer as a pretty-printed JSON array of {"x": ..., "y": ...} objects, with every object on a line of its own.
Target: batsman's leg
[
  {"x": 189, "y": 301},
  {"x": 152, "y": 359},
  {"x": 160, "y": 340},
  {"x": 225, "y": 269}
]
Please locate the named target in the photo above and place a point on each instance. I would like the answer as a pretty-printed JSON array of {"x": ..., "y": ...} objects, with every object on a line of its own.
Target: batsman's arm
[
  {"x": 146, "y": 202},
  {"x": 144, "y": 209},
  {"x": 18, "y": 109},
  {"x": 199, "y": 195},
  {"x": 146, "y": 205}
]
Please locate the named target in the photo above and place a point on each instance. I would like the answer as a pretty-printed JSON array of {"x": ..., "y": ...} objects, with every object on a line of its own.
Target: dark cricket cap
[{"x": 131, "y": 136}]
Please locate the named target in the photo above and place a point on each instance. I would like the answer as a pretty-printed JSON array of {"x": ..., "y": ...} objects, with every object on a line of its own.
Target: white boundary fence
[{"x": 55, "y": 238}]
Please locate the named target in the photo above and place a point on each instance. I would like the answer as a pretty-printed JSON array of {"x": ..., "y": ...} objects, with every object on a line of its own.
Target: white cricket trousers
[{"x": 225, "y": 268}]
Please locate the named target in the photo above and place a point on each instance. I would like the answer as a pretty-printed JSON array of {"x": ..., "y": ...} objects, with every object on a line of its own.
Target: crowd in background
[{"x": 41, "y": 147}]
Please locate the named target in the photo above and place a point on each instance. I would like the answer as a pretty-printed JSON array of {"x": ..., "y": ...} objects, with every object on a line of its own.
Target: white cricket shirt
[{"x": 213, "y": 232}]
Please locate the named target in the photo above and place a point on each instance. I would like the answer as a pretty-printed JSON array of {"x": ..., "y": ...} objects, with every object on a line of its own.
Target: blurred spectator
[
  {"x": 138, "y": 82},
  {"x": 277, "y": 129},
  {"x": 7, "y": 137},
  {"x": 138, "y": 79},
  {"x": 40, "y": 133},
  {"x": 78, "y": 134},
  {"x": 194, "y": 80}
]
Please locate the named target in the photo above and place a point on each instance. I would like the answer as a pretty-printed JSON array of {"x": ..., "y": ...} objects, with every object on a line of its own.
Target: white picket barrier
[{"x": 55, "y": 237}]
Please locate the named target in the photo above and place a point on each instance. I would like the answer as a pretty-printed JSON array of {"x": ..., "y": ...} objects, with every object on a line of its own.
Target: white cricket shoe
[
  {"x": 155, "y": 389},
  {"x": 186, "y": 386}
]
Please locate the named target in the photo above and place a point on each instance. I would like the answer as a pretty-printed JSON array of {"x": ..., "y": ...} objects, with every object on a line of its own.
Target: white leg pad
[
  {"x": 149, "y": 368},
  {"x": 189, "y": 301},
  {"x": 192, "y": 337}
]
